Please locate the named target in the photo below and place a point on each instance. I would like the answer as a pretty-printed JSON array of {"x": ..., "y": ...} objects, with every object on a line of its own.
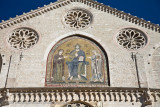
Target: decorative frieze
[
  {"x": 91, "y": 3},
  {"x": 80, "y": 94}
]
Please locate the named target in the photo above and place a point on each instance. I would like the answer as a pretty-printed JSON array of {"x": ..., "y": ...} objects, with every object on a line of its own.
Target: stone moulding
[
  {"x": 91, "y": 3},
  {"x": 88, "y": 94}
]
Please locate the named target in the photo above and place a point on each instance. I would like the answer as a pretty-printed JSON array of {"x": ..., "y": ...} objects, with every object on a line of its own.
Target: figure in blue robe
[{"x": 77, "y": 64}]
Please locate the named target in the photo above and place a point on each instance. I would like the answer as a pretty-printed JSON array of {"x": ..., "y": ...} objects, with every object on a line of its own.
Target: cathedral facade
[{"x": 79, "y": 53}]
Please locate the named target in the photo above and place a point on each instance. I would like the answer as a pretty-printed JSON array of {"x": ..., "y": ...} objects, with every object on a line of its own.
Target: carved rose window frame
[
  {"x": 23, "y": 38},
  {"x": 131, "y": 39},
  {"x": 78, "y": 18}
]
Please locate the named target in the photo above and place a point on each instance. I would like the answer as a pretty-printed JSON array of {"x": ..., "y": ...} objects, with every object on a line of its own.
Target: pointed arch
[{"x": 92, "y": 63}]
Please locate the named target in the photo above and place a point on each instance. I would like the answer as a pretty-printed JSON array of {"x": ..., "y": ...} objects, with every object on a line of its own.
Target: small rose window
[
  {"x": 77, "y": 18},
  {"x": 77, "y": 105},
  {"x": 131, "y": 39},
  {"x": 23, "y": 38}
]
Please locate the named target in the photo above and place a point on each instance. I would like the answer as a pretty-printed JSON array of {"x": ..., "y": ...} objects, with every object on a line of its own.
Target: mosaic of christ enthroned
[{"x": 76, "y": 61}]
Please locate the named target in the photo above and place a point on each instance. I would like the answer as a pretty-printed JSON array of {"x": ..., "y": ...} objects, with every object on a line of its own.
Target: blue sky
[{"x": 146, "y": 9}]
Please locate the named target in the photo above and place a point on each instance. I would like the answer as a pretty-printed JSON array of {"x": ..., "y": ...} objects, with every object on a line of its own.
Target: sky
[{"x": 147, "y": 9}]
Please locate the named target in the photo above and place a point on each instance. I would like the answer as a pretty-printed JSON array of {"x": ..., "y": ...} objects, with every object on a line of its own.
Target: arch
[
  {"x": 70, "y": 72},
  {"x": 78, "y": 103},
  {"x": 58, "y": 38}
]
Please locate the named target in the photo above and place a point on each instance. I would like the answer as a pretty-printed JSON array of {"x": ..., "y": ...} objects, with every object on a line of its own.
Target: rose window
[
  {"x": 77, "y": 105},
  {"x": 77, "y": 19},
  {"x": 131, "y": 39},
  {"x": 23, "y": 38}
]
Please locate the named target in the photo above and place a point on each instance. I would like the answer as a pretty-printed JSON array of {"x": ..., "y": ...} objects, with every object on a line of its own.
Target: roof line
[{"x": 91, "y": 3}]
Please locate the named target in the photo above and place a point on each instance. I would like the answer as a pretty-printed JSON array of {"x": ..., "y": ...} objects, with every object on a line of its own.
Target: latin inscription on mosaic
[{"x": 76, "y": 61}]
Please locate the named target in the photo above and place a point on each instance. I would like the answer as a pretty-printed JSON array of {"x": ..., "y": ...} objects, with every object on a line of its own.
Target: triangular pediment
[{"x": 91, "y": 3}]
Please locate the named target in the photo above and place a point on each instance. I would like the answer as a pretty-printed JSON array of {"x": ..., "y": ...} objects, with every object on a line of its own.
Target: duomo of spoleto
[{"x": 79, "y": 53}]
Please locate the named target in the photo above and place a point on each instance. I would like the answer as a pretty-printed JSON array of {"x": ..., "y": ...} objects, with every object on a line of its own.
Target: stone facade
[{"x": 132, "y": 69}]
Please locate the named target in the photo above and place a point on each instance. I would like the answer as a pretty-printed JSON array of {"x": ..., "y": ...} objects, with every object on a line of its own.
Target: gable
[{"x": 90, "y": 3}]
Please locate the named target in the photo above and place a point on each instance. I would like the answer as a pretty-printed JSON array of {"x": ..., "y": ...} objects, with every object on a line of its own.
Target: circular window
[
  {"x": 23, "y": 38},
  {"x": 131, "y": 39},
  {"x": 78, "y": 18},
  {"x": 77, "y": 105}
]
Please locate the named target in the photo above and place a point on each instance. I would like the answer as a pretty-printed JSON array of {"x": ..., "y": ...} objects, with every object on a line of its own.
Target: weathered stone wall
[{"x": 27, "y": 68}]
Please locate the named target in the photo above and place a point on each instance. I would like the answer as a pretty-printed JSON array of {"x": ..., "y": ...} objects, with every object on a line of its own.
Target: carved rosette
[
  {"x": 23, "y": 38},
  {"x": 78, "y": 18},
  {"x": 131, "y": 39}
]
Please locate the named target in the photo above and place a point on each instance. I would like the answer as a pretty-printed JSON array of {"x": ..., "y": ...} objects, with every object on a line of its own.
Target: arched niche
[
  {"x": 77, "y": 61},
  {"x": 156, "y": 68}
]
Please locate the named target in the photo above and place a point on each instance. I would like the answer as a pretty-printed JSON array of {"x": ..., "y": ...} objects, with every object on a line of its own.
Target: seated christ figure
[{"x": 77, "y": 64}]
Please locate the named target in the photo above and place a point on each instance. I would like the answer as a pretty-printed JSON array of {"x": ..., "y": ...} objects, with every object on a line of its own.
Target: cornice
[
  {"x": 75, "y": 89},
  {"x": 90, "y": 3}
]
